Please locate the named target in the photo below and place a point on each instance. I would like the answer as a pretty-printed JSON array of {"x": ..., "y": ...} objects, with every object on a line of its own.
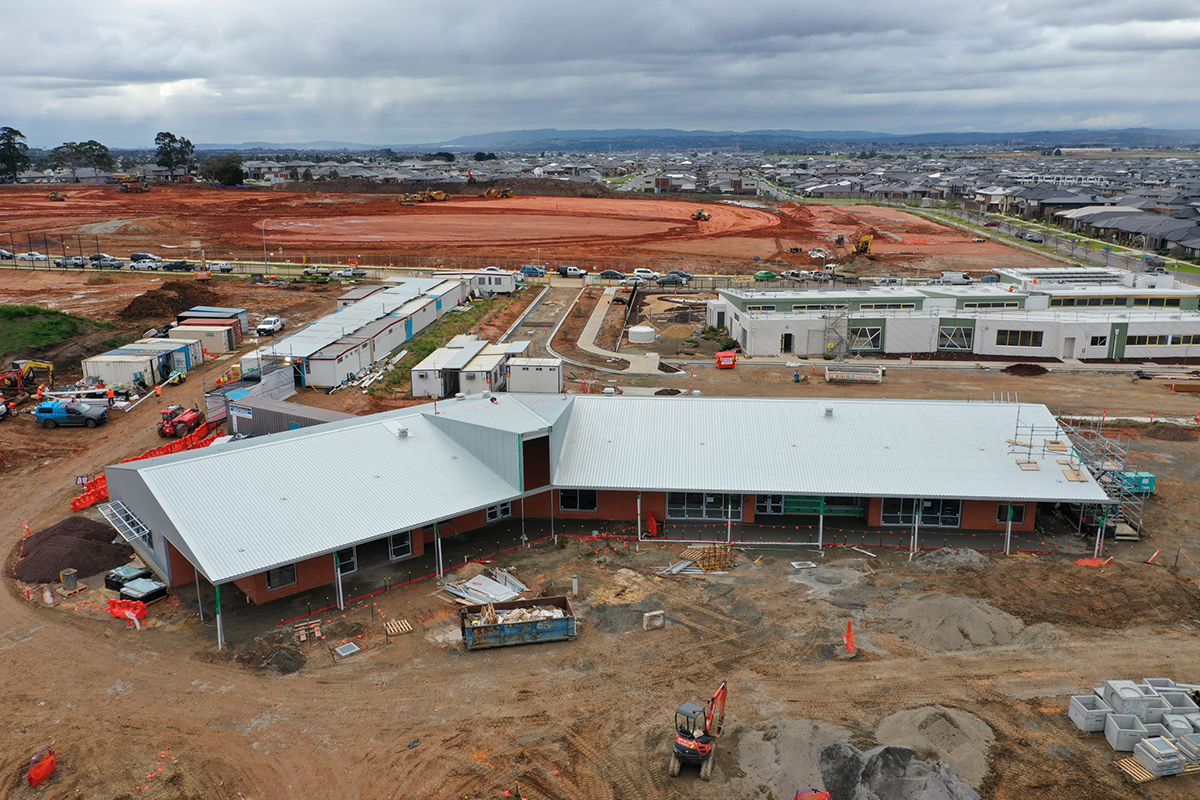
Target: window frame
[
  {"x": 946, "y": 346},
  {"x": 1018, "y": 514},
  {"x": 578, "y": 495},
  {"x": 874, "y": 341},
  {"x": 392, "y": 545},
  {"x": 499, "y": 511},
  {"x": 280, "y": 568},
  {"x": 1036, "y": 338}
]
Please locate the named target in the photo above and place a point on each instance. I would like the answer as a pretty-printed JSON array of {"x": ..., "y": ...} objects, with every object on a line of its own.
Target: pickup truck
[
  {"x": 74, "y": 261},
  {"x": 572, "y": 272},
  {"x": 54, "y": 413},
  {"x": 322, "y": 271},
  {"x": 223, "y": 267},
  {"x": 350, "y": 272},
  {"x": 269, "y": 326},
  {"x": 177, "y": 266}
]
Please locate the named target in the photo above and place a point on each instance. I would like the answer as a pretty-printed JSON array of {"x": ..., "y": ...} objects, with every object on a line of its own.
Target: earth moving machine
[
  {"x": 134, "y": 186},
  {"x": 701, "y": 215},
  {"x": 863, "y": 246},
  {"x": 178, "y": 421},
  {"x": 56, "y": 196},
  {"x": 28, "y": 370},
  {"x": 498, "y": 192},
  {"x": 432, "y": 195},
  {"x": 697, "y": 729}
]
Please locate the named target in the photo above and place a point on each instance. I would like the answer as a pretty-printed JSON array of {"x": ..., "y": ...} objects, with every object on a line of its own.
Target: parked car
[
  {"x": 223, "y": 267},
  {"x": 144, "y": 257},
  {"x": 533, "y": 271},
  {"x": 687, "y": 276},
  {"x": 350, "y": 272},
  {"x": 317, "y": 271},
  {"x": 991, "y": 223},
  {"x": 817, "y": 252},
  {"x": 492, "y": 269},
  {"x": 269, "y": 326},
  {"x": 634, "y": 280},
  {"x": 765, "y": 275},
  {"x": 572, "y": 272},
  {"x": 1155, "y": 261},
  {"x": 890, "y": 280},
  {"x": 144, "y": 264},
  {"x": 32, "y": 255},
  {"x": 646, "y": 274},
  {"x": 54, "y": 413},
  {"x": 6, "y": 255},
  {"x": 107, "y": 263},
  {"x": 620, "y": 300},
  {"x": 671, "y": 280},
  {"x": 822, "y": 275},
  {"x": 978, "y": 239},
  {"x": 796, "y": 274},
  {"x": 73, "y": 262},
  {"x": 1034, "y": 237},
  {"x": 177, "y": 266},
  {"x": 562, "y": 269},
  {"x": 100, "y": 257},
  {"x": 612, "y": 275},
  {"x": 1158, "y": 271}
]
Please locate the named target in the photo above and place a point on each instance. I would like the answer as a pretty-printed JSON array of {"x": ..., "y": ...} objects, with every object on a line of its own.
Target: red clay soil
[{"x": 171, "y": 298}]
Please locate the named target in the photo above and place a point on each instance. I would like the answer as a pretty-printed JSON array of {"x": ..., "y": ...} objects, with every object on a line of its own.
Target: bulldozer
[
  {"x": 498, "y": 192},
  {"x": 408, "y": 199},
  {"x": 431, "y": 195},
  {"x": 134, "y": 186},
  {"x": 701, "y": 215},
  {"x": 863, "y": 245},
  {"x": 178, "y": 421},
  {"x": 697, "y": 729},
  {"x": 57, "y": 196}
]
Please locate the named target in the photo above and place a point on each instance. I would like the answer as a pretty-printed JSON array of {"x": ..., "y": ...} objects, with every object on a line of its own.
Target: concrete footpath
[{"x": 639, "y": 364}]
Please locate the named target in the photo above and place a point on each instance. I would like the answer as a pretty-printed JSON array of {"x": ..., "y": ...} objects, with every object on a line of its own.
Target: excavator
[
  {"x": 498, "y": 192},
  {"x": 701, "y": 215},
  {"x": 25, "y": 371},
  {"x": 697, "y": 729},
  {"x": 134, "y": 186},
  {"x": 863, "y": 246}
]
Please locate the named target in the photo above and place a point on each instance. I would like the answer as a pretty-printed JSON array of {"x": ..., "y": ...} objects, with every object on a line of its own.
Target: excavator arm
[{"x": 714, "y": 716}]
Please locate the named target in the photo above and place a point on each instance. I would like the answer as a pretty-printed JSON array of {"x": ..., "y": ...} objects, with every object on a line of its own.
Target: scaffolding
[
  {"x": 1107, "y": 459},
  {"x": 837, "y": 331}
]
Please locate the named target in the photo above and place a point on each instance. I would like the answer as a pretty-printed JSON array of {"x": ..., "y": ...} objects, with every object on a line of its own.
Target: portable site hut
[
  {"x": 218, "y": 312},
  {"x": 232, "y": 323},
  {"x": 170, "y": 358},
  {"x": 192, "y": 350},
  {"x": 258, "y": 415},
  {"x": 124, "y": 367},
  {"x": 535, "y": 375},
  {"x": 484, "y": 282},
  {"x": 217, "y": 339},
  {"x": 162, "y": 359},
  {"x": 272, "y": 380}
]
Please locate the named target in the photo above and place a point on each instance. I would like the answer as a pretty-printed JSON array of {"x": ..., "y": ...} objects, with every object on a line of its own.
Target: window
[
  {"x": 888, "y": 306},
  {"x": 1098, "y": 341},
  {"x": 866, "y": 338},
  {"x": 768, "y": 504},
  {"x": 399, "y": 545},
  {"x": 819, "y": 306},
  {"x": 1019, "y": 338},
  {"x": 702, "y": 505},
  {"x": 933, "y": 513},
  {"x": 993, "y": 304},
  {"x": 1018, "y": 513},
  {"x": 577, "y": 499},
  {"x": 281, "y": 576},
  {"x": 502, "y": 511},
  {"x": 1162, "y": 339},
  {"x": 951, "y": 337},
  {"x": 347, "y": 560},
  {"x": 760, "y": 308}
]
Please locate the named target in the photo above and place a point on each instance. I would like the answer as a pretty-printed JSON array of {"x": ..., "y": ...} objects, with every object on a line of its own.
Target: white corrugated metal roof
[{"x": 872, "y": 448}]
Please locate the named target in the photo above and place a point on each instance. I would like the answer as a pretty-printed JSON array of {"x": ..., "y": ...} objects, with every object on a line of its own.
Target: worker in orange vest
[
  {"x": 41, "y": 390},
  {"x": 158, "y": 391},
  {"x": 112, "y": 396}
]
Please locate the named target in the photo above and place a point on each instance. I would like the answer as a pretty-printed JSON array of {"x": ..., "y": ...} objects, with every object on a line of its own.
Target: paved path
[{"x": 644, "y": 364}]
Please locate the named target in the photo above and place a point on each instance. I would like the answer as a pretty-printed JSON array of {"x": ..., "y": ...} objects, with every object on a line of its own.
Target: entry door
[
  {"x": 785, "y": 343},
  {"x": 720, "y": 319},
  {"x": 1069, "y": 347}
]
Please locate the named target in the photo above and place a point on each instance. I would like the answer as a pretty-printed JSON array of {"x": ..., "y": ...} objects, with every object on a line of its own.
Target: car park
[
  {"x": 611, "y": 275},
  {"x": 646, "y": 274},
  {"x": 177, "y": 266},
  {"x": 671, "y": 280},
  {"x": 144, "y": 264},
  {"x": 269, "y": 326},
  {"x": 73, "y": 262},
  {"x": 765, "y": 275},
  {"x": 32, "y": 255},
  {"x": 533, "y": 271},
  {"x": 634, "y": 280}
]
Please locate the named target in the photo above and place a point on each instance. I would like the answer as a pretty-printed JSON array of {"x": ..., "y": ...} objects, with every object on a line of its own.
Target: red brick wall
[
  {"x": 748, "y": 501},
  {"x": 610, "y": 505},
  {"x": 977, "y": 515},
  {"x": 535, "y": 459},
  {"x": 182, "y": 571},
  {"x": 874, "y": 508},
  {"x": 310, "y": 574}
]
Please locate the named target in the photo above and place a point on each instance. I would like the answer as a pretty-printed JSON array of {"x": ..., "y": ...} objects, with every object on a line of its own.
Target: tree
[
  {"x": 307, "y": 174},
  {"x": 226, "y": 170},
  {"x": 440, "y": 156},
  {"x": 174, "y": 152},
  {"x": 294, "y": 174},
  {"x": 14, "y": 153},
  {"x": 74, "y": 156},
  {"x": 484, "y": 156}
]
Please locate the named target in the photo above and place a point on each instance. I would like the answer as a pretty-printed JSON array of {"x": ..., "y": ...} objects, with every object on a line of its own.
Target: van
[{"x": 957, "y": 279}]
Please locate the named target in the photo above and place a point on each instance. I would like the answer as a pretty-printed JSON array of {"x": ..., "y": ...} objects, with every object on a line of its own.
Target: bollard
[{"x": 574, "y": 585}]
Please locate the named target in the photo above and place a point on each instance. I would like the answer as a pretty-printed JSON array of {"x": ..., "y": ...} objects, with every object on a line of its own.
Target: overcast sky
[{"x": 397, "y": 71}]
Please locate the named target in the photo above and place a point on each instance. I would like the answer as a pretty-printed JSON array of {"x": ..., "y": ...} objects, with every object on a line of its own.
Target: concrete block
[
  {"x": 1088, "y": 712},
  {"x": 1155, "y": 729},
  {"x": 1179, "y": 701},
  {"x": 1123, "y": 731},
  {"x": 1126, "y": 697},
  {"x": 1177, "y": 724},
  {"x": 1159, "y": 683},
  {"x": 1154, "y": 712},
  {"x": 652, "y": 620}
]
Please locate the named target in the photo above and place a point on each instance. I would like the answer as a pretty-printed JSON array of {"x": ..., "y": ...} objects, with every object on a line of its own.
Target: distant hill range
[{"x": 672, "y": 138}]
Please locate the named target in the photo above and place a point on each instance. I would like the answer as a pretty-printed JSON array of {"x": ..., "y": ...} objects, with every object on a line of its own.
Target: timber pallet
[
  {"x": 1139, "y": 774},
  {"x": 396, "y": 627},
  {"x": 62, "y": 591},
  {"x": 303, "y": 630},
  {"x": 691, "y": 554}
]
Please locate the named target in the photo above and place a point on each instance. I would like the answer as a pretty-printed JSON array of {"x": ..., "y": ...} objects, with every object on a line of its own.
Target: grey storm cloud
[{"x": 394, "y": 72}]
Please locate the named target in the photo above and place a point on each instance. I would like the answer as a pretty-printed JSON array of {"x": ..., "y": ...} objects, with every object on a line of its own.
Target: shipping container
[
  {"x": 232, "y": 323},
  {"x": 123, "y": 368},
  {"x": 241, "y": 314},
  {"x": 214, "y": 340},
  {"x": 192, "y": 347},
  {"x": 504, "y": 634}
]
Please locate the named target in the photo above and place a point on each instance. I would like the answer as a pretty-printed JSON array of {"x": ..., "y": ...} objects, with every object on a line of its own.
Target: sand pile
[
  {"x": 1025, "y": 370},
  {"x": 1169, "y": 432},
  {"x": 168, "y": 300},
  {"x": 952, "y": 558},
  {"x": 75, "y": 543},
  {"x": 943, "y": 622},
  {"x": 780, "y": 756},
  {"x": 888, "y": 773},
  {"x": 960, "y": 739}
]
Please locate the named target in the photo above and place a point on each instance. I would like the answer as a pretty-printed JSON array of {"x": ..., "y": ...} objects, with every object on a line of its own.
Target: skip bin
[{"x": 478, "y": 637}]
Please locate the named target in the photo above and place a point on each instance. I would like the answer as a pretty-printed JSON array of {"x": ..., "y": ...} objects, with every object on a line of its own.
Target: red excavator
[
  {"x": 179, "y": 421},
  {"x": 696, "y": 730}
]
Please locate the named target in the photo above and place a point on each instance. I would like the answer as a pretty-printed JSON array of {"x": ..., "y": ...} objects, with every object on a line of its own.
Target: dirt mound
[
  {"x": 1116, "y": 596},
  {"x": 780, "y": 756},
  {"x": 1025, "y": 370},
  {"x": 952, "y": 558},
  {"x": 467, "y": 571},
  {"x": 889, "y": 773},
  {"x": 960, "y": 739},
  {"x": 99, "y": 280},
  {"x": 946, "y": 623},
  {"x": 1169, "y": 432},
  {"x": 667, "y": 392},
  {"x": 168, "y": 300},
  {"x": 75, "y": 543}
]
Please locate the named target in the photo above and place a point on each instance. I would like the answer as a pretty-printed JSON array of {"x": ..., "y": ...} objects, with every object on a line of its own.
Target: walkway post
[
  {"x": 199, "y": 600},
  {"x": 337, "y": 577},
  {"x": 1008, "y": 531},
  {"x": 916, "y": 529},
  {"x": 220, "y": 624},
  {"x": 821, "y": 525},
  {"x": 639, "y": 516},
  {"x": 552, "y": 531},
  {"x": 1100, "y": 534},
  {"x": 437, "y": 549}
]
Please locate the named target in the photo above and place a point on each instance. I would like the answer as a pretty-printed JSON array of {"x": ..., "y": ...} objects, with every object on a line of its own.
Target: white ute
[{"x": 269, "y": 326}]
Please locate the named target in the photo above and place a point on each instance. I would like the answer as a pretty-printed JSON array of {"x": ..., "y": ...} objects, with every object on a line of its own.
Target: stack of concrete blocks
[
  {"x": 1129, "y": 712},
  {"x": 1159, "y": 756},
  {"x": 1189, "y": 747}
]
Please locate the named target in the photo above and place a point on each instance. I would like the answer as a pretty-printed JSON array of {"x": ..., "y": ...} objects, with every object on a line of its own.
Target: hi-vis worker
[
  {"x": 112, "y": 396},
  {"x": 158, "y": 391},
  {"x": 41, "y": 390}
]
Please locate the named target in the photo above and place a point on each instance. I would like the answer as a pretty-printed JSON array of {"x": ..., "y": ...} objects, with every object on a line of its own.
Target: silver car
[{"x": 145, "y": 264}]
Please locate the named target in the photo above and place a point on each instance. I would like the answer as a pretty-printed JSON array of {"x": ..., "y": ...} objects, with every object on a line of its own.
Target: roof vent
[
  {"x": 460, "y": 396},
  {"x": 829, "y": 411},
  {"x": 402, "y": 433},
  {"x": 487, "y": 394}
]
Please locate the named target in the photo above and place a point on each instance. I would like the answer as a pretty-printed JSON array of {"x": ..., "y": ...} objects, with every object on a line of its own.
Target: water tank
[{"x": 641, "y": 334}]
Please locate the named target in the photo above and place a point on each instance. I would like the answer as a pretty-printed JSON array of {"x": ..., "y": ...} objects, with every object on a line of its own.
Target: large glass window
[
  {"x": 1018, "y": 513},
  {"x": 577, "y": 499},
  {"x": 348, "y": 560},
  {"x": 934, "y": 513},
  {"x": 281, "y": 576},
  {"x": 1019, "y": 338},
  {"x": 400, "y": 545},
  {"x": 502, "y": 511},
  {"x": 768, "y": 504},
  {"x": 866, "y": 338},
  {"x": 703, "y": 505},
  {"x": 951, "y": 337}
]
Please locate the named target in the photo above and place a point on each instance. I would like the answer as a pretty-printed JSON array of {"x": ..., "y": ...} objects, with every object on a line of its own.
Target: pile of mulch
[
  {"x": 1168, "y": 432},
  {"x": 1025, "y": 370},
  {"x": 168, "y": 300},
  {"x": 75, "y": 543},
  {"x": 667, "y": 392}
]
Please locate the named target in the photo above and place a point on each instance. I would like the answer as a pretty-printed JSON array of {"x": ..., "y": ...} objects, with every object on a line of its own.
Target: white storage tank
[{"x": 641, "y": 334}]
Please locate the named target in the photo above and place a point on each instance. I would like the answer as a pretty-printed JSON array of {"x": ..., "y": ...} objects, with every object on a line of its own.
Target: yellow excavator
[
  {"x": 28, "y": 371},
  {"x": 863, "y": 246},
  {"x": 496, "y": 191},
  {"x": 701, "y": 215}
]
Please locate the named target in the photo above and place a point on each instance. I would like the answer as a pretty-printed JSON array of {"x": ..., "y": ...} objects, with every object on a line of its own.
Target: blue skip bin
[{"x": 544, "y": 619}]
